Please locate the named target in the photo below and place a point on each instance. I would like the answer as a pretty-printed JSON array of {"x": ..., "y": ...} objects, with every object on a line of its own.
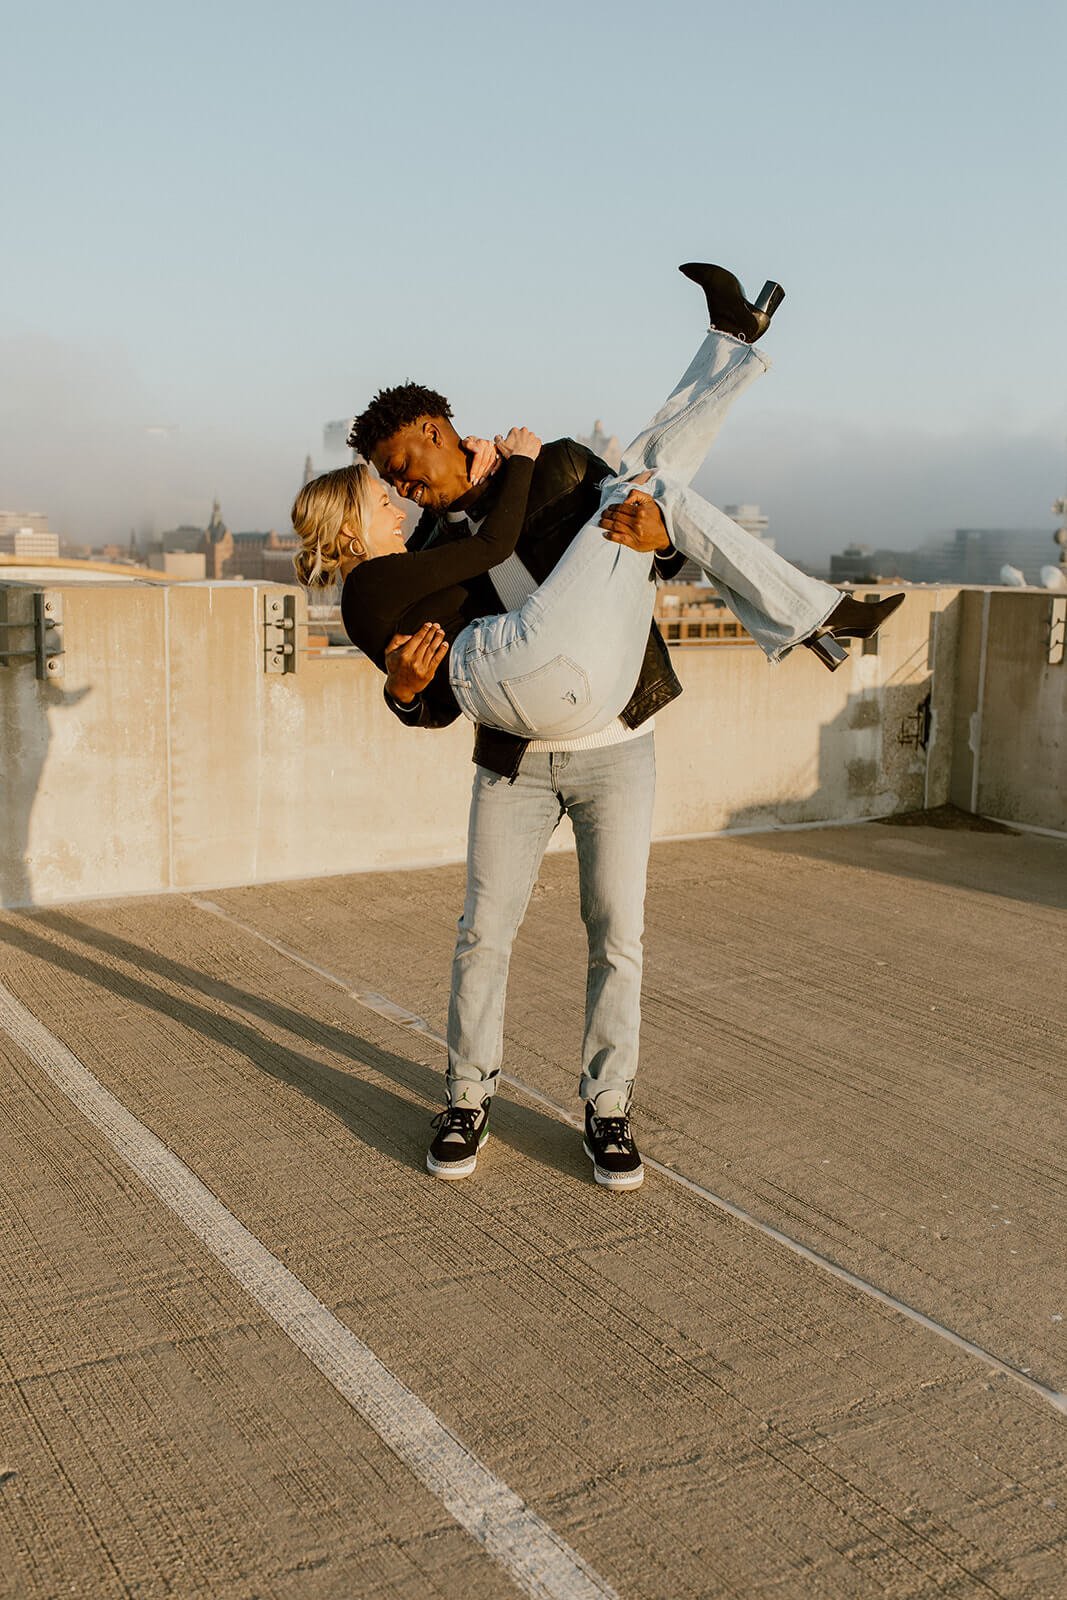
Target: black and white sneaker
[
  {"x": 610, "y": 1146},
  {"x": 461, "y": 1132}
]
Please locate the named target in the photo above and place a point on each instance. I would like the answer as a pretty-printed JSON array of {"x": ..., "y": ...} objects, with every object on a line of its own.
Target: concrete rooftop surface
[{"x": 366, "y": 1382}]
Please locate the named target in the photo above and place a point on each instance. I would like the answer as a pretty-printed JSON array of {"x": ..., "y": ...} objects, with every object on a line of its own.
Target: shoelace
[
  {"x": 613, "y": 1130},
  {"x": 457, "y": 1119}
]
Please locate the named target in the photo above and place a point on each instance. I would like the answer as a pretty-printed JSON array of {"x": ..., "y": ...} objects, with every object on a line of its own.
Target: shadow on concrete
[
  {"x": 386, "y": 1121},
  {"x": 25, "y": 738},
  {"x": 1014, "y": 866},
  {"x": 862, "y": 765}
]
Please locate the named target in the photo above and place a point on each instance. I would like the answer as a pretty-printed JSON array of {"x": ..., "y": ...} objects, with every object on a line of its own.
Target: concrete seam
[
  {"x": 167, "y": 736},
  {"x": 980, "y": 707},
  {"x": 534, "y": 1556},
  {"x": 259, "y": 668},
  {"x": 382, "y": 1006}
]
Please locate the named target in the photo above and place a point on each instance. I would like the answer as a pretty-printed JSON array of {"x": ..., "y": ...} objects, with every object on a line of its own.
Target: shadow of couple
[{"x": 390, "y": 1116}]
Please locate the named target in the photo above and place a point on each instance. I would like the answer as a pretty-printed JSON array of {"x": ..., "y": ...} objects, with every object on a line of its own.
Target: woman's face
[{"x": 381, "y": 537}]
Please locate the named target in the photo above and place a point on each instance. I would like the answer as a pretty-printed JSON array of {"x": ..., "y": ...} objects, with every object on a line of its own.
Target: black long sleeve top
[{"x": 397, "y": 594}]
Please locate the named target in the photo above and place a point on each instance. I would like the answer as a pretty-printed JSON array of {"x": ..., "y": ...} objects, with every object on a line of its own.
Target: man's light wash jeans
[
  {"x": 608, "y": 794},
  {"x": 564, "y": 664}
]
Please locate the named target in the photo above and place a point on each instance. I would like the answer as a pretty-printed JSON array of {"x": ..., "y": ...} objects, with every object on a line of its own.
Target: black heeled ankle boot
[
  {"x": 728, "y": 310},
  {"x": 860, "y": 619},
  {"x": 850, "y": 619}
]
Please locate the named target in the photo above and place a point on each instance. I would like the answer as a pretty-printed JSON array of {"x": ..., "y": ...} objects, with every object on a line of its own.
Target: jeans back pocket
[{"x": 550, "y": 698}]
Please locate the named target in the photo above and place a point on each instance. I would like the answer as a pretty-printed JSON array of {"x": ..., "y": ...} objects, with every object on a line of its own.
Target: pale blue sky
[{"x": 240, "y": 219}]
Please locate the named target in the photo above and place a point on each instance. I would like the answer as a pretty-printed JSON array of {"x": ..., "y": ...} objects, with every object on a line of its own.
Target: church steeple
[{"x": 218, "y": 543}]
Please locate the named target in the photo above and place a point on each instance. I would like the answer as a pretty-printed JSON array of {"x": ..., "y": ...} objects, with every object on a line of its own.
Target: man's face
[{"x": 424, "y": 462}]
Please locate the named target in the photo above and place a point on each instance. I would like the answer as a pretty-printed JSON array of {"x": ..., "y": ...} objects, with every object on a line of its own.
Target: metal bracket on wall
[
  {"x": 1057, "y": 631},
  {"x": 279, "y": 633},
  {"x": 916, "y": 728},
  {"x": 46, "y": 625}
]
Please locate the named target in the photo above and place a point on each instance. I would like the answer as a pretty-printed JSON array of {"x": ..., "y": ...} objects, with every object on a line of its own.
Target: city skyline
[
  {"x": 192, "y": 296},
  {"x": 808, "y": 522},
  {"x": 962, "y": 556}
]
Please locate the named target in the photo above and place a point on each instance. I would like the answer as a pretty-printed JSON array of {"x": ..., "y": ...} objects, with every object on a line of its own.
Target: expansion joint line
[{"x": 538, "y": 1560}]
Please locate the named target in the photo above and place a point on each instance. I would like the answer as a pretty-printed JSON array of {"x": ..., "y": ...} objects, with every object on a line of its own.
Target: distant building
[
  {"x": 976, "y": 555},
  {"x": 21, "y": 521},
  {"x": 855, "y": 564},
  {"x": 216, "y": 542},
  {"x": 692, "y": 613},
  {"x": 29, "y": 543},
  {"x": 335, "y": 442},
  {"x": 225, "y": 554},
  {"x": 264, "y": 556},
  {"x": 26, "y": 534},
  {"x": 184, "y": 539},
  {"x": 971, "y": 555},
  {"x": 602, "y": 445}
]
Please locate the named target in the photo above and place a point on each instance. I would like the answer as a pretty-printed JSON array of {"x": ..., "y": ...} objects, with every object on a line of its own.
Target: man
[{"x": 604, "y": 783}]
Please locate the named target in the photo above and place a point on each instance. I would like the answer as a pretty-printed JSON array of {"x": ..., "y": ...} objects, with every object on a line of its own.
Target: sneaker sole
[
  {"x": 615, "y": 1180},
  {"x": 452, "y": 1170}
]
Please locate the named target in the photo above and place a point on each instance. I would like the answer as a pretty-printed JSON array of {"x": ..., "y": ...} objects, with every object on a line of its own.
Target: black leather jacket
[{"x": 564, "y": 495}]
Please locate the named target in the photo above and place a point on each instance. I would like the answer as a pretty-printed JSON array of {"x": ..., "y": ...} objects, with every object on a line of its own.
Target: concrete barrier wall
[
  {"x": 167, "y": 758},
  {"x": 755, "y": 746}
]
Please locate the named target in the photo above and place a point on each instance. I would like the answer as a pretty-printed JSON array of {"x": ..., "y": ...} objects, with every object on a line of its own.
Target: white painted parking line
[
  {"x": 538, "y": 1561},
  {"x": 385, "y": 1007}
]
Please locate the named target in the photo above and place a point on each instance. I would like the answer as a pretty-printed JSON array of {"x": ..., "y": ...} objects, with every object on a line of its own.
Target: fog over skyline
[
  {"x": 78, "y": 446},
  {"x": 232, "y": 224}
]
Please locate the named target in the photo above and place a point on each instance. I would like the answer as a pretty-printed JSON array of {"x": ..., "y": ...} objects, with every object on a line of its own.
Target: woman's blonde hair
[{"x": 319, "y": 511}]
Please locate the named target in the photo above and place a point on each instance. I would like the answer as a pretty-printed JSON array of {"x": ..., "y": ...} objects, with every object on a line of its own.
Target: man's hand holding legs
[{"x": 637, "y": 522}]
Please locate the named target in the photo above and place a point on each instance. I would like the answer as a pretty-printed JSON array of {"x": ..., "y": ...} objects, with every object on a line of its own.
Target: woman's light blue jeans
[{"x": 565, "y": 663}]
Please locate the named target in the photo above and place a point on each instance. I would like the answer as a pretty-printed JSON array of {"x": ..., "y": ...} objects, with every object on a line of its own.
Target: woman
[{"x": 543, "y": 671}]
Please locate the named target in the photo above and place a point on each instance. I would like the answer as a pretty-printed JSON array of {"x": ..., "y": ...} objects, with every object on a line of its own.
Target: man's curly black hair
[{"x": 392, "y": 409}]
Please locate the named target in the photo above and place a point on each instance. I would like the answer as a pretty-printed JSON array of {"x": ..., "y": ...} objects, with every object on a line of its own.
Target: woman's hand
[
  {"x": 485, "y": 458},
  {"x": 519, "y": 442},
  {"x": 411, "y": 659}
]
